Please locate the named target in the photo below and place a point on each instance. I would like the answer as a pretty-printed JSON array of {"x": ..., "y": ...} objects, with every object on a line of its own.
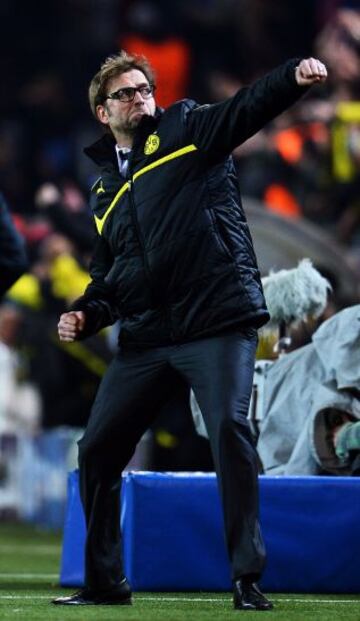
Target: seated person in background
[{"x": 311, "y": 403}]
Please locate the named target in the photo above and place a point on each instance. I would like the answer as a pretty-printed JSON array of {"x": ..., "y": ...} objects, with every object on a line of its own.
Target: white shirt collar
[{"x": 122, "y": 162}]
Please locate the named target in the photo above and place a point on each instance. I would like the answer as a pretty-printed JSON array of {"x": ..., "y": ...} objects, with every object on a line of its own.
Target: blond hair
[{"x": 112, "y": 67}]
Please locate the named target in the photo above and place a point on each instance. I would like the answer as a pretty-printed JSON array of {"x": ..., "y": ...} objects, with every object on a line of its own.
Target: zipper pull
[{"x": 130, "y": 184}]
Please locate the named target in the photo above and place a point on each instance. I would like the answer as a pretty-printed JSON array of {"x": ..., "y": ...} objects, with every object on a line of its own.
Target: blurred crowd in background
[{"x": 305, "y": 166}]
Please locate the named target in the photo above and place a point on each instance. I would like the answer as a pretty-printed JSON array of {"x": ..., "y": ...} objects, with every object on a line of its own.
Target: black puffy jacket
[{"x": 174, "y": 257}]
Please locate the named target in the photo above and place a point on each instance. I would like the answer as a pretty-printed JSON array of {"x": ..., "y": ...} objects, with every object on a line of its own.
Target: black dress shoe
[
  {"x": 247, "y": 596},
  {"x": 118, "y": 596}
]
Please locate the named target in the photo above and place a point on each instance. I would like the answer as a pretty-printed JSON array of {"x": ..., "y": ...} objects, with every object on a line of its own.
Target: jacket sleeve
[
  {"x": 219, "y": 128},
  {"x": 98, "y": 300},
  {"x": 13, "y": 260}
]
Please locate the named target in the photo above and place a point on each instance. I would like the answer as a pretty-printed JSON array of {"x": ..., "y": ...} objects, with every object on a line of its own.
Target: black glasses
[{"x": 127, "y": 93}]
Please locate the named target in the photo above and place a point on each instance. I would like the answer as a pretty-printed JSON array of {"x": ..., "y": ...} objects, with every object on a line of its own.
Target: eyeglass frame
[{"x": 136, "y": 89}]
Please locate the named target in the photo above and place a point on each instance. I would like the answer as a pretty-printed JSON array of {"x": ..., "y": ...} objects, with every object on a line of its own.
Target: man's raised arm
[{"x": 218, "y": 128}]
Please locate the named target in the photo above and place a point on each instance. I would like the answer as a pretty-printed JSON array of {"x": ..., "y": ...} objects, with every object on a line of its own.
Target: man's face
[{"x": 124, "y": 116}]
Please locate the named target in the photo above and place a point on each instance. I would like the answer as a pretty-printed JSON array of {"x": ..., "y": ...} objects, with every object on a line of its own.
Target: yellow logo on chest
[
  {"x": 152, "y": 144},
  {"x": 100, "y": 188}
]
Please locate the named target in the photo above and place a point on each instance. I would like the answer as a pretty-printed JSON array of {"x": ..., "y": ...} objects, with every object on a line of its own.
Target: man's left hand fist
[{"x": 310, "y": 71}]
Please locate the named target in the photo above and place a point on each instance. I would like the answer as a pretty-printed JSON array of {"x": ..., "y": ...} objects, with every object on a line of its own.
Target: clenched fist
[
  {"x": 71, "y": 325},
  {"x": 310, "y": 71}
]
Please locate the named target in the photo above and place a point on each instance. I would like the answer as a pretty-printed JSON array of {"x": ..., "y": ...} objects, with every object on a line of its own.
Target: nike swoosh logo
[{"x": 101, "y": 221}]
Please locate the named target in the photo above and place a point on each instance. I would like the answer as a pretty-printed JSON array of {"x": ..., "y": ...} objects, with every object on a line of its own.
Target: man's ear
[{"x": 102, "y": 114}]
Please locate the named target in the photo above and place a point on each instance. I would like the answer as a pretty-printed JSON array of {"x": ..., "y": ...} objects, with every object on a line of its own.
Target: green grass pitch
[{"x": 29, "y": 569}]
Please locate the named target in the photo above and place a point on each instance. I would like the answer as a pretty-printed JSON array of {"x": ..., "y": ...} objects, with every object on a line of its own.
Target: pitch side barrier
[{"x": 173, "y": 536}]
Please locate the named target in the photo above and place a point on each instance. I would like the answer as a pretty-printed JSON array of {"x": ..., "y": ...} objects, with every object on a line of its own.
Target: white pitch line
[
  {"x": 29, "y": 576},
  {"x": 202, "y": 599},
  {"x": 223, "y": 599}
]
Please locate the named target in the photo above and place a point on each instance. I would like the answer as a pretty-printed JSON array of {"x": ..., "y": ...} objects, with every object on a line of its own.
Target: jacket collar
[{"x": 103, "y": 150}]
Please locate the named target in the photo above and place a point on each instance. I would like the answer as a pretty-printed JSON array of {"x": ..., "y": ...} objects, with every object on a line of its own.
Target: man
[
  {"x": 174, "y": 260},
  {"x": 13, "y": 260}
]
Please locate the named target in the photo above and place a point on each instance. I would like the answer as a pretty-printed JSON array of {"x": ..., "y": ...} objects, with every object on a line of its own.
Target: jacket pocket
[{"x": 219, "y": 235}]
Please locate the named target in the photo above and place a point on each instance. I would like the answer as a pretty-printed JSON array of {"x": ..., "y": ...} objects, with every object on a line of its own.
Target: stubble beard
[{"x": 129, "y": 127}]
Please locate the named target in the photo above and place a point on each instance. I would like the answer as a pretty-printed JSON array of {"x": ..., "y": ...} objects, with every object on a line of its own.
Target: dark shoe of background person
[
  {"x": 118, "y": 596},
  {"x": 247, "y": 596}
]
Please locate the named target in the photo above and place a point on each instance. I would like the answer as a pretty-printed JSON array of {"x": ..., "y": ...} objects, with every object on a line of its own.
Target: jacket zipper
[
  {"x": 142, "y": 246},
  {"x": 139, "y": 235}
]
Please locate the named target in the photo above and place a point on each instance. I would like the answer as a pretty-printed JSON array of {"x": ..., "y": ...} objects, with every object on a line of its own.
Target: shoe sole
[
  {"x": 253, "y": 608},
  {"x": 125, "y": 602}
]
